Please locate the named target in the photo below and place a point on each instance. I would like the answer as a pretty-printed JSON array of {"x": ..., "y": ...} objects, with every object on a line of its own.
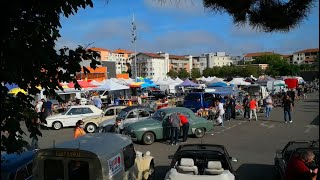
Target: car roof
[
  {"x": 112, "y": 106},
  {"x": 97, "y": 143},
  {"x": 129, "y": 108},
  {"x": 201, "y": 147},
  {"x": 80, "y": 106},
  {"x": 13, "y": 161},
  {"x": 174, "y": 109}
]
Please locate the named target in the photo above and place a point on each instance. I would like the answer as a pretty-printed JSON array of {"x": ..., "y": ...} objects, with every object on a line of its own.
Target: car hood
[
  {"x": 107, "y": 122},
  {"x": 150, "y": 122},
  {"x": 56, "y": 116}
]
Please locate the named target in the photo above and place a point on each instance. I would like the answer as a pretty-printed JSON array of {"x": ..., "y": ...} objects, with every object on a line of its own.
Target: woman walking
[
  {"x": 78, "y": 130},
  {"x": 253, "y": 105}
]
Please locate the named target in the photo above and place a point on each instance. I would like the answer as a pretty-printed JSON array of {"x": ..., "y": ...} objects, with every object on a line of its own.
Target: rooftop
[
  {"x": 98, "y": 49},
  {"x": 308, "y": 50},
  {"x": 122, "y": 51}
]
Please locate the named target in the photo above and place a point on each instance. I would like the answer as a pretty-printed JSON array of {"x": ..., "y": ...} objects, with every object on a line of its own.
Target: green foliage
[
  {"x": 183, "y": 73},
  {"x": 195, "y": 73},
  {"x": 172, "y": 73},
  {"x": 30, "y": 30},
  {"x": 233, "y": 71},
  {"x": 285, "y": 16}
]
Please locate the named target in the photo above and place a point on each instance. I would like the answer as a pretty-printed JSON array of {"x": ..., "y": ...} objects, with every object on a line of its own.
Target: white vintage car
[
  {"x": 201, "y": 162},
  {"x": 70, "y": 117}
]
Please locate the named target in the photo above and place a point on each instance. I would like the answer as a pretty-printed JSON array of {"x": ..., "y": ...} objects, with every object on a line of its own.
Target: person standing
[
  {"x": 287, "y": 108},
  {"x": 233, "y": 106},
  {"x": 220, "y": 112},
  {"x": 115, "y": 128},
  {"x": 185, "y": 126},
  {"x": 253, "y": 105},
  {"x": 78, "y": 130},
  {"x": 38, "y": 108},
  {"x": 175, "y": 126},
  {"x": 245, "y": 104},
  {"x": 97, "y": 102},
  {"x": 268, "y": 106},
  {"x": 228, "y": 109}
]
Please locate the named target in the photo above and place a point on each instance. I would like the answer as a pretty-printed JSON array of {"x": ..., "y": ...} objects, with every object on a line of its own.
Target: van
[
  {"x": 17, "y": 166},
  {"x": 98, "y": 156},
  {"x": 196, "y": 100}
]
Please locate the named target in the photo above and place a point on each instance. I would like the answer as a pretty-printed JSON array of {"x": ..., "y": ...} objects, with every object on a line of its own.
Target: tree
[
  {"x": 183, "y": 73},
  {"x": 195, "y": 73},
  {"x": 268, "y": 16},
  {"x": 206, "y": 72},
  {"x": 172, "y": 73},
  {"x": 29, "y": 59}
]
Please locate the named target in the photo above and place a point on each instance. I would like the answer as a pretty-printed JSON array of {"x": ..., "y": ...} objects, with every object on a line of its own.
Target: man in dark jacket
[
  {"x": 245, "y": 104},
  {"x": 115, "y": 128}
]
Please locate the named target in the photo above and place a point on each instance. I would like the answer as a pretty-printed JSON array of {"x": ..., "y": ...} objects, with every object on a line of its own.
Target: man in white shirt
[
  {"x": 268, "y": 106},
  {"x": 220, "y": 112}
]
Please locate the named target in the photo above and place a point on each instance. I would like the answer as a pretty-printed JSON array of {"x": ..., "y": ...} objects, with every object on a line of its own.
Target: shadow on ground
[
  {"x": 315, "y": 121},
  {"x": 255, "y": 171},
  {"x": 160, "y": 171}
]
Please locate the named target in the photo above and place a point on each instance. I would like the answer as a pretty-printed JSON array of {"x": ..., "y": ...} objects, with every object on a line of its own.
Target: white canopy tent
[
  {"x": 96, "y": 83},
  {"x": 239, "y": 81},
  {"x": 110, "y": 85},
  {"x": 215, "y": 80},
  {"x": 178, "y": 80}
]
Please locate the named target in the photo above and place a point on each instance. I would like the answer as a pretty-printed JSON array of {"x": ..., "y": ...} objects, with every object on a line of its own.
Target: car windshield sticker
[{"x": 114, "y": 165}]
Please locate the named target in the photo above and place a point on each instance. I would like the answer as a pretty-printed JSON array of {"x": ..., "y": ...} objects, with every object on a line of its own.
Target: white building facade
[
  {"x": 218, "y": 59},
  {"x": 151, "y": 65},
  {"x": 306, "y": 56}
]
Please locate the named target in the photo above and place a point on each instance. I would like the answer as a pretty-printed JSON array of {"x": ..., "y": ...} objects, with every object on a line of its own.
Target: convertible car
[
  {"x": 201, "y": 161},
  {"x": 294, "y": 148}
]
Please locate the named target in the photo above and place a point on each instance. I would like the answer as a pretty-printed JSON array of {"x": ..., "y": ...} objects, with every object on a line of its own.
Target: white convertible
[{"x": 201, "y": 162}]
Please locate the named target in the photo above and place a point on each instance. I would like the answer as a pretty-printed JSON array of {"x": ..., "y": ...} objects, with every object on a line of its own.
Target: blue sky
[{"x": 180, "y": 29}]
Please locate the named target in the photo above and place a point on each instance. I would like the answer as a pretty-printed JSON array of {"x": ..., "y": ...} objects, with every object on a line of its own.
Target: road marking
[
  {"x": 268, "y": 126},
  {"x": 309, "y": 127}
]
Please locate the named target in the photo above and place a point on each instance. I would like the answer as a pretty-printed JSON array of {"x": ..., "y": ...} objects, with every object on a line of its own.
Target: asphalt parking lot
[{"x": 253, "y": 143}]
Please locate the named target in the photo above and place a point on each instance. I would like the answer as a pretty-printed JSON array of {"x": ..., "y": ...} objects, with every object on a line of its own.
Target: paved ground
[{"x": 253, "y": 143}]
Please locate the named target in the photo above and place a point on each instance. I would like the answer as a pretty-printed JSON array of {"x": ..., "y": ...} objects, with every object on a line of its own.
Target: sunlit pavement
[{"x": 253, "y": 143}]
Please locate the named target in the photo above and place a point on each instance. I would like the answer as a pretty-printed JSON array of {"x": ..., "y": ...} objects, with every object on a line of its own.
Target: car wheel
[
  {"x": 56, "y": 125},
  {"x": 90, "y": 128},
  {"x": 199, "y": 132},
  {"x": 148, "y": 138}
]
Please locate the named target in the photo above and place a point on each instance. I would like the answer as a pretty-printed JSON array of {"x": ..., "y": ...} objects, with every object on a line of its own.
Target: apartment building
[
  {"x": 180, "y": 62},
  {"x": 151, "y": 65},
  {"x": 122, "y": 59},
  {"x": 104, "y": 53},
  {"x": 252, "y": 56},
  {"x": 289, "y": 58},
  {"x": 199, "y": 62},
  {"x": 306, "y": 56},
  {"x": 218, "y": 59}
]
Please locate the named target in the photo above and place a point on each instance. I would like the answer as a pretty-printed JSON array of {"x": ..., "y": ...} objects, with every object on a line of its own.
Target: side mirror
[
  {"x": 170, "y": 157},
  {"x": 233, "y": 159}
]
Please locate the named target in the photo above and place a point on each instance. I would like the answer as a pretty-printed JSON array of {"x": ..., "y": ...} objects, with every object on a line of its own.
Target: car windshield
[
  {"x": 159, "y": 115},
  {"x": 123, "y": 114},
  {"x": 65, "y": 112}
]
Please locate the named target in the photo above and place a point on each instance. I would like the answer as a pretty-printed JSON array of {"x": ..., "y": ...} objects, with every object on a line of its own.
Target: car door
[
  {"x": 166, "y": 125},
  {"x": 143, "y": 114},
  {"x": 72, "y": 116},
  {"x": 110, "y": 114},
  {"x": 131, "y": 117}
]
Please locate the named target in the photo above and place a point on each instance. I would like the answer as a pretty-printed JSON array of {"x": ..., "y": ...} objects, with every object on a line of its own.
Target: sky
[{"x": 184, "y": 28}]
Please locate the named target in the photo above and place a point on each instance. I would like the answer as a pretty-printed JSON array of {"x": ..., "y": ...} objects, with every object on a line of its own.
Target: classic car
[
  {"x": 158, "y": 126},
  {"x": 128, "y": 115},
  {"x": 111, "y": 112},
  {"x": 90, "y": 157},
  {"x": 293, "y": 148},
  {"x": 201, "y": 161},
  {"x": 71, "y": 116}
]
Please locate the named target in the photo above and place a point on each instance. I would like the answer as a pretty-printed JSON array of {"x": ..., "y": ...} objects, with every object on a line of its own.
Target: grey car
[{"x": 128, "y": 115}]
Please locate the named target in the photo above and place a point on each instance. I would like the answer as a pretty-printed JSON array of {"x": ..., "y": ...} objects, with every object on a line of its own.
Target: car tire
[
  {"x": 90, "y": 128},
  {"x": 56, "y": 125},
  {"x": 199, "y": 132},
  {"x": 148, "y": 138}
]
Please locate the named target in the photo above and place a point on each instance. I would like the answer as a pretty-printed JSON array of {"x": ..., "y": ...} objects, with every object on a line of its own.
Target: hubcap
[
  {"x": 57, "y": 125},
  {"x": 148, "y": 138},
  {"x": 199, "y": 132},
  {"x": 90, "y": 128}
]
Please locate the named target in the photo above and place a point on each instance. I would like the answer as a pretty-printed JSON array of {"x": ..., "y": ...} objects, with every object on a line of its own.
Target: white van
[{"x": 97, "y": 156}]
